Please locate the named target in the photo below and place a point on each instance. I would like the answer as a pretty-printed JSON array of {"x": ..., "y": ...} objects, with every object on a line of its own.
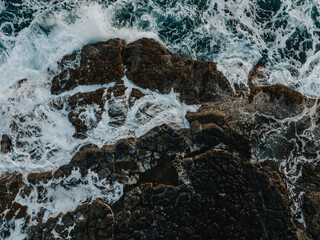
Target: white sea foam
[
  {"x": 43, "y": 136},
  {"x": 2, "y": 6},
  {"x": 44, "y": 139},
  {"x": 35, "y": 49},
  {"x": 61, "y": 196},
  {"x": 284, "y": 142},
  {"x": 238, "y": 34}
]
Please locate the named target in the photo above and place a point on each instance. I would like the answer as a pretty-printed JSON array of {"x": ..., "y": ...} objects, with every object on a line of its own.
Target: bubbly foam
[
  {"x": 2, "y": 6},
  {"x": 237, "y": 34},
  {"x": 43, "y": 136},
  {"x": 290, "y": 143},
  {"x": 60, "y": 196},
  {"x": 35, "y": 34}
]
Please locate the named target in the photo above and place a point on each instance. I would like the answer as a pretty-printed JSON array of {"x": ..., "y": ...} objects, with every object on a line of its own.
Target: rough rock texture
[
  {"x": 100, "y": 63},
  {"x": 6, "y": 144},
  {"x": 196, "y": 183},
  {"x": 78, "y": 102},
  {"x": 312, "y": 210},
  {"x": 88, "y": 221},
  {"x": 149, "y": 65},
  {"x": 9, "y": 187},
  {"x": 216, "y": 204},
  {"x": 311, "y": 176},
  {"x": 208, "y": 194},
  {"x": 174, "y": 192},
  {"x": 86, "y": 109}
]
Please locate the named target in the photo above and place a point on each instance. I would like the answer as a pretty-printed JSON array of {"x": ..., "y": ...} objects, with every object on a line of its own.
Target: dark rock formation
[
  {"x": 312, "y": 211},
  {"x": 221, "y": 195},
  {"x": 209, "y": 193},
  {"x": 88, "y": 221},
  {"x": 100, "y": 63},
  {"x": 6, "y": 144},
  {"x": 149, "y": 65},
  {"x": 279, "y": 91},
  {"x": 115, "y": 97},
  {"x": 197, "y": 183},
  {"x": 78, "y": 102},
  {"x": 216, "y": 205}
]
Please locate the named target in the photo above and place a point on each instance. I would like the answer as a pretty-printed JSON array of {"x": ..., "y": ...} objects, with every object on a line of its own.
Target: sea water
[{"x": 236, "y": 34}]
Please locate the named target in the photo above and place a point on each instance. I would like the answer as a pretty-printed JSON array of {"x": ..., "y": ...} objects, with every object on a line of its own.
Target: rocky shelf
[{"x": 203, "y": 182}]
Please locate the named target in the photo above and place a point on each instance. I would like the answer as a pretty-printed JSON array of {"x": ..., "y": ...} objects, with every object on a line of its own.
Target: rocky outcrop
[
  {"x": 219, "y": 195},
  {"x": 196, "y": 183},
  {"x": 86, "y": 108},
  {"x": 88, "y": 221},
  {"x": 148, "y": 65},
  {"x": 99, "y": 64},
  {"x": 211, "y": 210},
  {"x": 172, "y": 190}
]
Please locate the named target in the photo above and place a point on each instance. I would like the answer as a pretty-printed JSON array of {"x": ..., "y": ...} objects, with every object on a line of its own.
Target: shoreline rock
[{"x": 197, "y": 183}]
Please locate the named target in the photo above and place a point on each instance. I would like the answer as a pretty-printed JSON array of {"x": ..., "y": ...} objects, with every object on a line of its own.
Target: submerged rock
[{"x": 6, "y": 144}]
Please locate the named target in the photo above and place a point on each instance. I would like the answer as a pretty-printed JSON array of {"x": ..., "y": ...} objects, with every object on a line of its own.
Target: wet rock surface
[
  {"x": 312, "y": 211},
  {"x": 6, "y": 144},
  {"x": 203, "y": 182},
  {"x": 211, "y": 210},
  {"x": 88, "y": 221},
  {"x": 148, "y": 65},
  {"x": 100, "y": 63},
  {"x": 206, "y": 194},
  {"x": 172, "y": 191}
]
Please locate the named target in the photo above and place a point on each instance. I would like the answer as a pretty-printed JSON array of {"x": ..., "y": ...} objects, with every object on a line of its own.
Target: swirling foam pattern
[{"x": 236, "y": 34}]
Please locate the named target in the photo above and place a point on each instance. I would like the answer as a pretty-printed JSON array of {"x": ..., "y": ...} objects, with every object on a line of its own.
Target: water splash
[
  {"x": 290, "y": 143},
  {"x": 61, "y": 195}
]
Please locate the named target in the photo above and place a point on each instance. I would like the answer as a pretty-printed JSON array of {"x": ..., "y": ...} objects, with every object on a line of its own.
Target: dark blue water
[
  {"x": 236, "y": 34},
  {"x": 282, "y": 34}
]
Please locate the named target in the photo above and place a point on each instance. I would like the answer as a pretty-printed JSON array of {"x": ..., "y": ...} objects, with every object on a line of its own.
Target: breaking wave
[{"x": 236, "y": 34}]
